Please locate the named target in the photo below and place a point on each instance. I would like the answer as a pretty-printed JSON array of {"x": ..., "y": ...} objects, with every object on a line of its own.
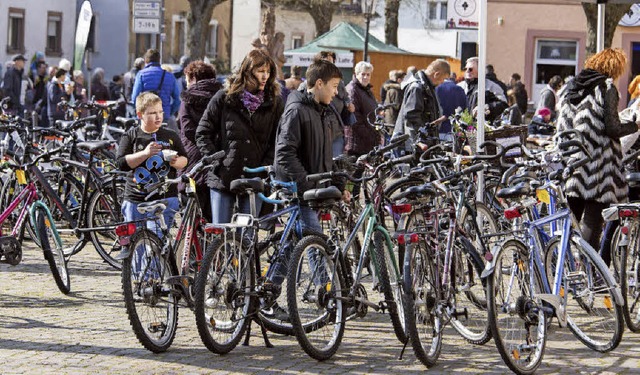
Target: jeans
[
  {"x": 142, "y": 254},
  {"x": 222, "y": 206},
  {"x": 338, "y": 146},
  {"x": 447, "y": 137},
  {"x": 308, "y": 218}
]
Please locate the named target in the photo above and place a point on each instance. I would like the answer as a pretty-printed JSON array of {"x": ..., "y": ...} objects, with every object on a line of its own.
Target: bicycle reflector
[
  {"x": 512, "y": 213},
  {"x": 124, "y": 230},
  {"x": 401, "y": 208},
  {"x": 628, "y": 213},
  {"x": 325, "y": 216},
  {"x": 209, "y": 229},
  {"x": 625, "y": 230}
]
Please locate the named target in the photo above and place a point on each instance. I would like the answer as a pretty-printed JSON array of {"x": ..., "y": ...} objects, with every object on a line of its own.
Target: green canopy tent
[{"x": 343, "y": 39}]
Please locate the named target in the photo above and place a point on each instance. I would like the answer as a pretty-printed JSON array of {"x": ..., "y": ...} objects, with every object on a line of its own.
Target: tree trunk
[
  {"x": 613, "y": 15},
  {"x": 391, "y": 22},
  {"x": 198, "y": 20},
  {"x": 322, "y": 14}
]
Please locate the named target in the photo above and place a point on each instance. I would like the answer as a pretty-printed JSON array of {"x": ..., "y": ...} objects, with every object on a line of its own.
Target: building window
[
  {"x": 54, "y": 34},
  {"x": 211, "y": 45},
  {"x": 437, "y": 10},
  {"x": 553, "y": 57},
  {"x": 297, "y": 41},
  {"x": 15, "y": 35},
  {"x": 179, "y": 40}
]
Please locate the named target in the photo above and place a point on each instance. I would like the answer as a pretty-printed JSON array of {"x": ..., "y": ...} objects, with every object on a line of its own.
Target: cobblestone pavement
[{"x": 44, "y": 331}]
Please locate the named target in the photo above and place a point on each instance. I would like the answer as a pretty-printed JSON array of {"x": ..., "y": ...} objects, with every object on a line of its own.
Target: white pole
[
  {"x": 600, "y": 31},
  {"x": 482, "y": 67}
]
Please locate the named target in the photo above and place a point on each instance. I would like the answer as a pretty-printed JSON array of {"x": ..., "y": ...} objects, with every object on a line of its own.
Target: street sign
[
  {"x": 147, "y": 15},
  {"x": 146, "y": 25},
  {"x": 146, "y": 10}
]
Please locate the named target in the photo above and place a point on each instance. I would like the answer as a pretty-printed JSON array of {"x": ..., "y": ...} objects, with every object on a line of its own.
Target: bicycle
[
  {"x": 571, "y": 283},
  {"x": 322, "y": 287},
  {"x": 160, "y": 269}
]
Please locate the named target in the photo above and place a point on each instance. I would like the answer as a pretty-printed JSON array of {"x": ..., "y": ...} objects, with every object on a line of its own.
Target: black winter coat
[
  {"x": 193, "y": 103},
  {"x": 360, "y": 138},
  {"x": 248, "y": 139},
  {"x": 304, "y": 143}
]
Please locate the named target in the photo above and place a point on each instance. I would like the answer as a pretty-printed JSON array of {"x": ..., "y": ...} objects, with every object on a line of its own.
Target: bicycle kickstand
[{"x": 267, "y": 343}]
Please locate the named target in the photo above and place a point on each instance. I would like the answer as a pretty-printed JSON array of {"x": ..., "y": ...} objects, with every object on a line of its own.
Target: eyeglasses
[
  {"x": 468, "y": 69},
  {"x": 150, "y": 114}
]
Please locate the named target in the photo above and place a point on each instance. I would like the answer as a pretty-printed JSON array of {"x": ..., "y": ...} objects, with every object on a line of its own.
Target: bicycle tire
[
  {"x": 267, "y": 248},
  {"x": 315, "y": 305},
  {"x": 151, "y": 303},
  {"x": 470, "y": 293},
  {"x": 224, "y": 285},
  {"x": 390, "y": 279},
  {"x": 601, "y": 333},
  {"x": 52, "y": 250},
  {"x": 424, "y": 325},
  {"x": 629, "y": 278},
  {"x": 104, "y": 209},
  {"x": 516, "y": 316}
]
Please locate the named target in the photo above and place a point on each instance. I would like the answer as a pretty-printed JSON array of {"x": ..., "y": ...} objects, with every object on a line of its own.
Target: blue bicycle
[{"x": 529, "y": 282}]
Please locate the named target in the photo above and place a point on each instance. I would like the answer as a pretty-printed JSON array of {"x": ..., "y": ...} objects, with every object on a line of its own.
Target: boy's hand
[{"x": 152, "y": 149}]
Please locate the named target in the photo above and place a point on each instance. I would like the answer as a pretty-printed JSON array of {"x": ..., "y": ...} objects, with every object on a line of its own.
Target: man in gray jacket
[{"x": 420, "y": 103}]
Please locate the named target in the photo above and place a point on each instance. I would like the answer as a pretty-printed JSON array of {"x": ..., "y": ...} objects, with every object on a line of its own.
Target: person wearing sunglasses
[{"x": 496, "y": 101}]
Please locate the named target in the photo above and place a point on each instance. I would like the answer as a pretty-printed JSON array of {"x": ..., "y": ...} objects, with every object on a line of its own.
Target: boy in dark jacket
[{"x": 304, "y": 140}]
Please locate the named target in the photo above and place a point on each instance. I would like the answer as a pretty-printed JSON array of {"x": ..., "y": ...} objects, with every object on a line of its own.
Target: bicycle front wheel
[
  {"x": 314, "y": 296},
  {"x": 223, "y": 294},
  {"x": 592, "y": 313},
  {"x": 516, "y": 313},
  {"x": 151, "y": 301},
  {"x": 52, "y": 250}
]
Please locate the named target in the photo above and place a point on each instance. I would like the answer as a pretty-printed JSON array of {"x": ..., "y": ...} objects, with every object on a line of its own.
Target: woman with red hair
[{"x": 590, "y": 105}]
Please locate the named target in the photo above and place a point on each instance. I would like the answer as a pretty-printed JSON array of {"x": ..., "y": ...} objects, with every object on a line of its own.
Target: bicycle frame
[{"x": 28, "y": 195}]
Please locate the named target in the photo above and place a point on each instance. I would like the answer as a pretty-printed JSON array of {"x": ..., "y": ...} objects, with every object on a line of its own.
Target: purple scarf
[{"x": 252, "y": 102}]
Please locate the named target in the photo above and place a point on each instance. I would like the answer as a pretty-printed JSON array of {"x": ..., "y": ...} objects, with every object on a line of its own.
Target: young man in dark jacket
[
  {"x": 304, "y": 139},
  {"x": 303, "y": 145}
]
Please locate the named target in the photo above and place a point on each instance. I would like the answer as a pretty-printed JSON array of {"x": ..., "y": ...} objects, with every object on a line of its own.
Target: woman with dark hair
[
  {"x": 590, "y": 105},
  {"x": 201, "y": 86},
  {"x": 241, "y": 120}
]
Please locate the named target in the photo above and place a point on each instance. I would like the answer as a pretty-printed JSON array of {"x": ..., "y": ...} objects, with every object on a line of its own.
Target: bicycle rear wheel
[
  {"x": 423, "y": 323},
  {"x": 223, "y": 298},
  {"x": 516, "y": 314},
  {"x": 390, "y": 280},
  {"x": 470, "y": 318},
  {"x": 151, "y": 302},
  {"x": 630, "y": 277},
  {"x": 104, "y": 209},
  {"x": 314, "y": 297},
  {"x": 52, "y": 250},
  {"x": 592, "y": 313}
]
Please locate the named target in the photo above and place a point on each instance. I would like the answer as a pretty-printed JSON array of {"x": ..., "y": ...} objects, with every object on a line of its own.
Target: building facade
[{"x": 30, "y": 26}]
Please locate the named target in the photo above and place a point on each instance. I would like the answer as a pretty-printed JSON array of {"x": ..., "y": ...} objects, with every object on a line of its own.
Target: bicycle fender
[
  {"x": 617, "y": 293},
  {"x": 473, "y": 253},
  {"x": 489, "y": 267}
]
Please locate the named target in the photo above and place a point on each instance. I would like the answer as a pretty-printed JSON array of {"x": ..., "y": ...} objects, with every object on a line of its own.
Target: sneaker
[{"x": 276, "y": 312}]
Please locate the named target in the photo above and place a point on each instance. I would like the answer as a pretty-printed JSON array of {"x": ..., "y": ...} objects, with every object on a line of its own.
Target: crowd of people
[{"x": 298, "y": 124}]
